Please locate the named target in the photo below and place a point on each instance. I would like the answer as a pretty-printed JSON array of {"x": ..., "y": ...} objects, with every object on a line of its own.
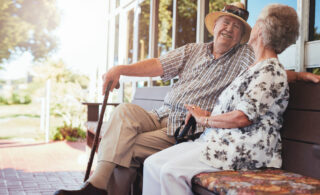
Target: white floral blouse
[{"x": 262, "y": 93}]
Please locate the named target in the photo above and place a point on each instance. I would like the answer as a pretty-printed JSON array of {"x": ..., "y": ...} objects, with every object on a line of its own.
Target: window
[
  {"x": 314, "y": 20},
  {"x": 144, "y": 20},
  {"x": 165, "y": 26},
  {"x": 186, "y": 22}
]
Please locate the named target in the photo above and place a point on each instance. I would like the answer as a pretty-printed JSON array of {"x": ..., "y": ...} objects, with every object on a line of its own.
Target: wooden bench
[{"x": 300, "y": 133}]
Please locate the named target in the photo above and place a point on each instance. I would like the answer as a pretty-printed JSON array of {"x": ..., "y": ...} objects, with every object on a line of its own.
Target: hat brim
[{"x": 211, "y": 19}]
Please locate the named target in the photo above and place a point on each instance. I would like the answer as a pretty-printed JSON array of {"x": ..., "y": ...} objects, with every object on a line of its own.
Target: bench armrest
[{"x": 93, "y": 110}]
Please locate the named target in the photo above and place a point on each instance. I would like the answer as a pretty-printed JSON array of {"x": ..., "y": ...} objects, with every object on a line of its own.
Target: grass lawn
[{"x": 23, "y": 122}]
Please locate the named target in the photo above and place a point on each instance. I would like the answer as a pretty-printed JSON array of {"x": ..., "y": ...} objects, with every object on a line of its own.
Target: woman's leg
[{"x": 171, "y": 170}]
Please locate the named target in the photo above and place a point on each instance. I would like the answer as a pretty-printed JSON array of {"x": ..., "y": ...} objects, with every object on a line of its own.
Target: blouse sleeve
[{"x": 262, "y": 90}]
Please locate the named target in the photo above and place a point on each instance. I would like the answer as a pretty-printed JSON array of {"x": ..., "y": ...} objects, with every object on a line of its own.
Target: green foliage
[
  {"x": 217, "y": 5},
  {"x": 165, "y": 24},
  {"x": 162, "y": 83},
  {"x": 69, "y": 133},
  {"x": 28, "y": 25},
  {"x": 316, "y": 71},
  {"x": 19, "y": 115},
  {"x": 15, "y": 99}
]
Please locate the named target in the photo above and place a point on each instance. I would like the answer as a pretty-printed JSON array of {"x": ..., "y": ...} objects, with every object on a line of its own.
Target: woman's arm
[{"x": 234, "y": 119}]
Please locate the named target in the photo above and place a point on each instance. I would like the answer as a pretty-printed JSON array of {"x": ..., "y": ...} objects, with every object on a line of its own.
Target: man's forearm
[
  {"x": 302, "y": 76},
  {"x": 146, "y": 68},
  {"x": 292, "y": 76}
]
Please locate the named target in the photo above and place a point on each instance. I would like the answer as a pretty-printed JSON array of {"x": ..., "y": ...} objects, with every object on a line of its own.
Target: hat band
[{"x": 242, "y": 13}]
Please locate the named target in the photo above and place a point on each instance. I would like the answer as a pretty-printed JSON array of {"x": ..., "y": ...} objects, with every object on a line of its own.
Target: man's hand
[
  {"x": 308, "y": 77},
  {"x": 112, "y": 76}
]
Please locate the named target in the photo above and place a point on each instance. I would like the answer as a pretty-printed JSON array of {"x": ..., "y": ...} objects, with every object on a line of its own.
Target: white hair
[{"x": 280, "y": 27}]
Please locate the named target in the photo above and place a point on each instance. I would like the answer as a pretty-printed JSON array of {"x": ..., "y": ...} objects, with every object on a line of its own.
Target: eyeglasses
[{"x": 244, "y": 14}]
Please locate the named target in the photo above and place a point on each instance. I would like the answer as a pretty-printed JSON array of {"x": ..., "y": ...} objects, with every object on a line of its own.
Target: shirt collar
[{"x": 210, "y": 49}]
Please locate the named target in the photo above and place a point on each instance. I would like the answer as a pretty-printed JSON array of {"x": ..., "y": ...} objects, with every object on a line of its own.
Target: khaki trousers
[{"x": 132, "y": 134}]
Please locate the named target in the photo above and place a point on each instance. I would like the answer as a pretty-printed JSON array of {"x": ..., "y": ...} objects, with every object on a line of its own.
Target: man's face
[{"x": 227, "y": 32}]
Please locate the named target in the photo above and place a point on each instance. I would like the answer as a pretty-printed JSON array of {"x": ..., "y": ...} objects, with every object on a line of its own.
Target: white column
[
  {"x": 137, "y": 12},
  {"x": 47, "y": 123},
  {"x": 303, "y": 13},
  {"x": 43, "y": 113},
  {"x": 174, "y": 23},
  {"x": 153, "y": 32},
  {"x": 200, "y": 20}
]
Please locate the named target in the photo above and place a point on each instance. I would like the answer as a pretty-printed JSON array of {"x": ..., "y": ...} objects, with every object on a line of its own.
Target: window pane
[
  {"x": 116, "y": 41},
  {"x": 255, "y": 7},
  {"x": 130, "y": 20},
  {"x": 186, "y": 22},
  {"x": 314, "y": 20},
  {"x": 214, "y": 5},
  {"x": 144, "y": 20},
  {"x": 165, "y": 26}
]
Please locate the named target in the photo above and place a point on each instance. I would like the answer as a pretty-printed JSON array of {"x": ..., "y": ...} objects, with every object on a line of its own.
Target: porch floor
[{"x": 38, "y": 168}]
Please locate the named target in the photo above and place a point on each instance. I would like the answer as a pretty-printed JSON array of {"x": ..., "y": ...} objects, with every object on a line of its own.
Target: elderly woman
[{"x": 243, "y": 129}]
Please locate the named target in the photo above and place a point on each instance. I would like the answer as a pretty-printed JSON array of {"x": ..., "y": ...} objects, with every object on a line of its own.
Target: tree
[{"x": 28, "y": 25}]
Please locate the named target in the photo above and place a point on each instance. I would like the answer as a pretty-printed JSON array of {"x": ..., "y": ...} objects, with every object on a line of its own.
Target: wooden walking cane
[{"x": 98, "y": 129}]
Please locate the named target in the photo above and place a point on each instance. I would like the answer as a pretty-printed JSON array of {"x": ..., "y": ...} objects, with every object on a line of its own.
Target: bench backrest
[
  {"x": 150, "y": 97},
  {"x": 301, "y": 130}
]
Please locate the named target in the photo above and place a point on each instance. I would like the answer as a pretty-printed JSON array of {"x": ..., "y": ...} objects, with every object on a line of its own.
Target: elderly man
[{"x": 204, "y": 70}]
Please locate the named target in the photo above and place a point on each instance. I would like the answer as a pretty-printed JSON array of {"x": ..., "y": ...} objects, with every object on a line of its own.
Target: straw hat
[{"x": 235, "y": 10}]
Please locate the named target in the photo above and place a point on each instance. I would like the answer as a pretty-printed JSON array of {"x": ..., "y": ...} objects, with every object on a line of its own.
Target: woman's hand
[{"x": 196, "y": 112}]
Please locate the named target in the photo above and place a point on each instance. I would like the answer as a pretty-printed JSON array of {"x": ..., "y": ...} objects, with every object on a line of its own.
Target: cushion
[{"x": 268, "y": 181}]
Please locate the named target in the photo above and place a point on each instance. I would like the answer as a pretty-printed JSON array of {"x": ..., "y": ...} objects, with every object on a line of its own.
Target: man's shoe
[{"x": 87, "y": 189}]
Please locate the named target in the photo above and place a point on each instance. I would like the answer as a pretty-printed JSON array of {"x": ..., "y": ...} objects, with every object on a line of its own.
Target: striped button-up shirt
[{"x": 201, "y": 78}]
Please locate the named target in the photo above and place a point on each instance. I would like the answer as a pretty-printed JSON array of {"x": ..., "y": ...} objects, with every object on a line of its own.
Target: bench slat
[
  {"x": 304, "y": 96},
  {"x": 302, "y": 125},
  {"x": 148, "y": 104},
  {"x": 300, "y": 158},
  {"x": 151, "y": 93}
]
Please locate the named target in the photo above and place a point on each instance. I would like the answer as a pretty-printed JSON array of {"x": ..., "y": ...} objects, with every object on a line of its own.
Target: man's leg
[
  {"x": 116, "y": 147},
  {"x": 146, "y": 144}
]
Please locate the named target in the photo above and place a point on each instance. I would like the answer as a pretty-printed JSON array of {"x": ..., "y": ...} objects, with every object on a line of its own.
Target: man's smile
[{"x": 226, "y": 35}]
